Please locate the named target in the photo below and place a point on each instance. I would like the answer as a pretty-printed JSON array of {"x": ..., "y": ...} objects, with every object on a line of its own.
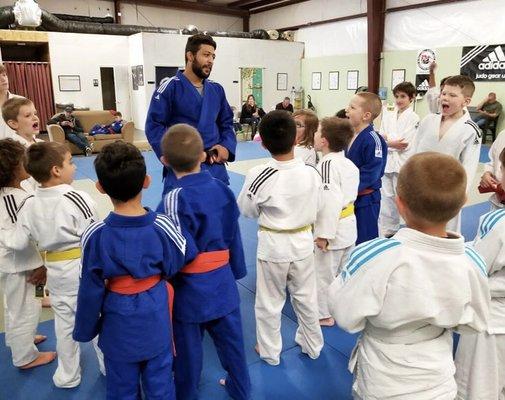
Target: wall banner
[{"x": 485, "y": 63}]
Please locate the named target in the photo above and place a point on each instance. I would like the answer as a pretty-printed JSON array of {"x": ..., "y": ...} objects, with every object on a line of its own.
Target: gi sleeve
[
  {"x": 409, "y": 134},
  {"x": 80, "y": 212},
  {"x": 331, "y": 202},
  {"x": 237, "y": 258},
  {"x": 470, "y": 155},
  {"x": 227, "y": 136},
  {"x": 371, "y": 171},
  {"x": 158, "y": 117},
  {"x": 248, "y": 201},
  {"x": 356, "y": 295},
  {"x": 19, "y": 236},
  {"x": 432, "y": 98},
  {"x": 494, "y": 155},
  {"x": 91, "y": 292}
]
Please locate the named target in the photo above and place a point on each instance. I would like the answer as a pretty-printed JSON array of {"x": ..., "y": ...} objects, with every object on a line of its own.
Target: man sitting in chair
[
  {"x": 72, "y": 127},
  {"x": 488, "y": 110}
]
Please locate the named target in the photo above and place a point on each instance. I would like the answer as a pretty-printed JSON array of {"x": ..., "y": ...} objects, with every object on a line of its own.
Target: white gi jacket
[
  {"x": 493, "y": 165},
  {"x": 404, "y": 293}
]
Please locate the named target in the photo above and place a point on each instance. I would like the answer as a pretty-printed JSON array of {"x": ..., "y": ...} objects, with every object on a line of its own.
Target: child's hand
[
  {"x": 488, "y": 180},
  {"x": 398, "y": 144},
  {"x": 38, "y": 276},
  {"x": 322, "y": 244}
]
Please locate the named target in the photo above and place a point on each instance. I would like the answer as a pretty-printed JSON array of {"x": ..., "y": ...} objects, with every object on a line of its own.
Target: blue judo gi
[
  {"x": 134, "y": 331},
  {"x": 177, "y": 101},
  {"x": 208, "y": 301},
  {"x": 368, "y": 152}
]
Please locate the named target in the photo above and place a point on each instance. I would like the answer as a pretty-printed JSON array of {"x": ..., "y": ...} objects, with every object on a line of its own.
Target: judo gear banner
[{"x": 484, "y": 63}]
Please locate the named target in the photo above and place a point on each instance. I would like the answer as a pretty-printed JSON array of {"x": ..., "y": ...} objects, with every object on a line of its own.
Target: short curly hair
[{"x": 12, "y": 155}]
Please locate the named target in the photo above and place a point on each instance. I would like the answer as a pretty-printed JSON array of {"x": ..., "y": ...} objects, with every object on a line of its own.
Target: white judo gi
[
  {"x": 395, "y": 126},
  {"x": 335, "y": 221},
  {"x": 461, "y": 141},
  {"x": 493, "y": 166},
  {"x": 21, "y": 308},
  {"x": 308, "y": 155},
  {"x": 432, "y": 97},
  {"x": 284, "y": 197},
  {"x": 405, "y": 293},
  {"x": 55, "y": 219},
  {"x": 480, "y": 359}
]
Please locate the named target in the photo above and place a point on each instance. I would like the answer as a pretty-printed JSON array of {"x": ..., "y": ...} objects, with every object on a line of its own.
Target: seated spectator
[
  {"x": 285, "y": 105},
  {"x": 72, "y": 127},
  {"x": 251, "y": 114},
  {"x": 115, "y": 127},
  {"x": 488, "y": 109}
]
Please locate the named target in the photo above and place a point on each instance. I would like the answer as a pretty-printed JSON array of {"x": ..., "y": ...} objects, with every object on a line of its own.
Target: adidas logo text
[{"x": 494, "y": 60}]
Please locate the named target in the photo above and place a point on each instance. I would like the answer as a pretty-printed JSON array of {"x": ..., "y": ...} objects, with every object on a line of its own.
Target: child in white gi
[
  {"x": 20, "y": 271},
  {"x": 335, "y": 229},
  {"x": 408, "y": 292},
  {"x": 55, "y": 218},
  {"x": 480, "y": 359},
  {"x": 453, "y": 132},
  {"x": 492, "y": 176},
  {"x": 398, "y": 127},
  {"x": 306, "y": 125},
  {"x": 21, "y": 116},
  {"x": 283, "y": 195}
]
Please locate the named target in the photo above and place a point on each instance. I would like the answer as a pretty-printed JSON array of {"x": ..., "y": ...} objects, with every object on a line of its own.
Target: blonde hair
[
  {"x": 432, "y": 186},
  {"x": 337, "y": 131},
  {"x": 311, "y": 124},
  {"x": 371, "y": 103},
  {"x": 182, "y": 147}
]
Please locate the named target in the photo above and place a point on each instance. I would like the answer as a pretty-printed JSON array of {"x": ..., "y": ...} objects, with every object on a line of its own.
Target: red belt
[
  {"x": 207, "y": 261},
  {"x": 127, "y": 284},
  {"x": 366, "y": 191}
]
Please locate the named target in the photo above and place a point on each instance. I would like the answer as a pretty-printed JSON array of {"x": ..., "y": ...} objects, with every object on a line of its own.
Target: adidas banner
[
  {"x": 484, "y": 63},
  {"x": 422, "y": 84}
]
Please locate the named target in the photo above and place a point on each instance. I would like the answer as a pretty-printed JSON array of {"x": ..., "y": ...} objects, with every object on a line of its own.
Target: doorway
[
  {"x": 164, "y": 72},
  {"x": 108, "y": 88}
]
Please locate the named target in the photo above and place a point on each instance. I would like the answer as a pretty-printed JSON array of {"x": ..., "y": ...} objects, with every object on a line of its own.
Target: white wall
[{"x": 83, "y": 55}]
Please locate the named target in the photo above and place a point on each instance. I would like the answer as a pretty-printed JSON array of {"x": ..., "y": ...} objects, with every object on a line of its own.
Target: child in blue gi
[
  {"x": 206, "y": 294},
  {"x": 123, "y": 296},
  {"x": 368, "y": 151}
]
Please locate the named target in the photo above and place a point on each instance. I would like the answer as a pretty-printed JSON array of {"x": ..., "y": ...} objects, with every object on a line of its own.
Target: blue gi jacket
[
  {"x": 207, "y": 209},
  {"x": 368, "y": 152},
  {"x": 177, "y": 101},
  {"x": 137, "y": 327}
]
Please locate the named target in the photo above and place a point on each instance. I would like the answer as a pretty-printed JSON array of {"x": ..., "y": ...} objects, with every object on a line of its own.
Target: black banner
[
  {"x": 485, "y": 63},
  {"x": 422, "y": 85}
]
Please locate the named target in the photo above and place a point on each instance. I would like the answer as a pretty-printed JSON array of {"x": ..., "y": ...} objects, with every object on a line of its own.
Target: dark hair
[
  {"x": 121, "y": 170},
  {"x": 118, "y": 114},
  {"x": 182, "y": 147},
  {"x": 341, "y": 114},
  {"x": 278, "y": 132},
  {"x": 41, "y": 157},
  {"x": 405, "y": 87},
  {"x": 12, "y": 154},
  {"x": 464, "y": 82},
  {"x": 337, "y": 131},
  {"x": 287, "y": 98},
  {"x": 194, "y": 42}
]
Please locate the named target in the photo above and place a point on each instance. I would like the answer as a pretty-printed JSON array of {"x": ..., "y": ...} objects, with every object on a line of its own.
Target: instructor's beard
[{"x": 198, "y": 70}]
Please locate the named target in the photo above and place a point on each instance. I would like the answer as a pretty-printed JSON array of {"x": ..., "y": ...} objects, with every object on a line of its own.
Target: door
[
  {"x": 122, "y": 82},
  {"x": 108, "y": 88},
  {"x": 164, "y": 72}
]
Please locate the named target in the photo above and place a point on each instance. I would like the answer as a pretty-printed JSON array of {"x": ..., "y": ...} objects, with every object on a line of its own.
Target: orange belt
[
  {"x": 127, "y": 284},
  {"x": 207, "y": 261},
  {"x": 366, "y": 191}
]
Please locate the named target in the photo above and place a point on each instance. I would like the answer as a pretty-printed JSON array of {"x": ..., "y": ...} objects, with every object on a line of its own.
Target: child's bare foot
[
  {"x": 39, "y": 339},
  {"x": 222, "y": 382},
  {"x": 257, "y": 348},
  {"x": 327, "y": 322},
  {"x": 46, "y": 302},
  {"x": 44, "y": 358}
]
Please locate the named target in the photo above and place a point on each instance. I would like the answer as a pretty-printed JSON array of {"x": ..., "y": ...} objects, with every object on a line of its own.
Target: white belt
[{"x": 388, "y": 336}]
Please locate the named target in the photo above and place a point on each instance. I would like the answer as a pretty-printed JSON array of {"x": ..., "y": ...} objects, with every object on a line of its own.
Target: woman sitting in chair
[{"x": 251, "y": 114}]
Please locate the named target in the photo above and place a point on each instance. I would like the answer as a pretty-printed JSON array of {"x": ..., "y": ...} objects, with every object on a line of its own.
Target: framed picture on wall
[
  {"x": 69, "y": 83},
  {"x": 333, "y": 78},
  {"x": 316, "y": 81},
  {"x": 282, "y": 81},
  {"x": 397, "y": 76},
  {"x": 352, "y": 79}
]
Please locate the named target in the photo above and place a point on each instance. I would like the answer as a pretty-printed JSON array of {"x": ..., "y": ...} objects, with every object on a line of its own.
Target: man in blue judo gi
[
  {"x": 368, "y": 151},
  {"x": 123, "y": 296},
  {"x": 206, "y": 294},
  {"x": 190, "y": 98}
]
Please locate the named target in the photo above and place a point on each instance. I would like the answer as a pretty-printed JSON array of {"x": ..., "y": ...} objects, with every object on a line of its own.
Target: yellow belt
[
  {"x": 347, "y": 211},
  {"x": 70, "y": 254},
  {"x": 296, "y": 230}
]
